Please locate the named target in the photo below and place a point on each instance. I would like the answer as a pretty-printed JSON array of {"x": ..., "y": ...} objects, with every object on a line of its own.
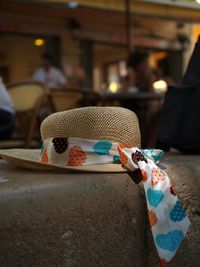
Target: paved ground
[
  {"x": 184, "y": 172},
  {"x": 89, "y": 220},
  {"x": 70, "y": 220}
]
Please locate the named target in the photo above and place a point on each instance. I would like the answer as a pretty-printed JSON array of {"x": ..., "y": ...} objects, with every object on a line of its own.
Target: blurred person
[
  {"x": 161, "y": 74},
  {"x": 7, "y": 113},
  {"x": 155, "y": 107},
  {"x": 139, "y": 72},
  {"x": 50, "y": 75},
  {"x": 124, "y": 83},
  {"x": 141, "y": 79}
]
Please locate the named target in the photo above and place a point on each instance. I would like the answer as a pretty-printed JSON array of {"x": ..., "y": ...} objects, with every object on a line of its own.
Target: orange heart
[
  {"x": 144, "y": 175},
  {"x": 123, "y": 157},
  {"x": 76, "y": 156},
  {"x": 44, "y": 158},
  {"x": 152, "y": 218},
  {"x": 157, "y": 176}
]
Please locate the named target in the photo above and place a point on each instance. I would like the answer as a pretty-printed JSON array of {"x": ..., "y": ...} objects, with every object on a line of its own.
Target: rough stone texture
[
  {"x": 89, "y": 220},
  {"x": 70, "y": 220},
  {"x": 184, "y": 172}
]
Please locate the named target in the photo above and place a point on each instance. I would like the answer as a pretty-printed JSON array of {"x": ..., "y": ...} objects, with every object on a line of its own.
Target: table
[
  {"x": 146, "y": 105},
  {"x": 148, "y": 96}
]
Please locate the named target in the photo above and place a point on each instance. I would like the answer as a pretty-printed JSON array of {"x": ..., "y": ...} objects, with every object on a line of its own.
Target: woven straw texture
[{"x": 99, "y": 123}]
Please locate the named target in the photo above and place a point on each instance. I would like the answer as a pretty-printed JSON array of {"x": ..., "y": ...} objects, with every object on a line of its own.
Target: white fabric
[
  {"x": 168, "y": 220},
  {"x": 53, "y": 78},
  {"x": 5, "y": 100}
]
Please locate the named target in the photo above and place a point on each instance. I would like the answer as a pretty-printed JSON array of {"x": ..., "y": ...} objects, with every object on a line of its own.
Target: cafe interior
[{"x": 90, "y": 42}]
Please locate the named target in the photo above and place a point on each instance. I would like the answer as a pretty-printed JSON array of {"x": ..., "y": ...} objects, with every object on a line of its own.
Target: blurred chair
[
  {"x": 92, "y": 98},
  {"x": 28, "y": 98},
  {"x": 61, "y": 100}
]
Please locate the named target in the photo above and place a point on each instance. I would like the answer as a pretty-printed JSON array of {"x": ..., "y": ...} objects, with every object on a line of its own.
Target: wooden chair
[
  {"x": 64, "y": 99},
  {"x": 27, "y": 98}
]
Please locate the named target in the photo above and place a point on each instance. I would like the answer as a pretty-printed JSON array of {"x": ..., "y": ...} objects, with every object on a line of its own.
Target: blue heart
[
  {"x": 102, "y": 147},
  {"x": 42, "y": 148},
  {"x": 154, "y": 197},
  {"x": 177, "y": 214},
  {"x": 116, "y": 159},
  {"x": 153, "y": 154},
  {"x": 170, "y": 241}
]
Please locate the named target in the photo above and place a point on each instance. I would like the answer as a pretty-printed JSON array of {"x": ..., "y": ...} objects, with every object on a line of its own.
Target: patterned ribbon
[{"x": 168, "y": 220}]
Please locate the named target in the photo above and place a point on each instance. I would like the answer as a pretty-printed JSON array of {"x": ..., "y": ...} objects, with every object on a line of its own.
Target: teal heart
[
  {"x": 42, "y": 149},
  {"x": 154, "y": 197},
  {"x": 116, "y": 159},
  {"x": 153, "y": 154},
  {"x": 102, "y": 147},
  {"x": 170, "y": 241},
  {"x": 177, "y": 214}
]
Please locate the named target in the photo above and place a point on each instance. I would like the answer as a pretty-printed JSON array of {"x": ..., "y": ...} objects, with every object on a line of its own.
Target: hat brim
[{"x": 28, "y": 159}]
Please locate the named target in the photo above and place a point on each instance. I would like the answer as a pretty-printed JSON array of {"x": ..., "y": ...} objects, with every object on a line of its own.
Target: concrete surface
[
  {"x": 184, "y": 172},
  {"x": 69, "y": 220},
  {"x": 90, "y": 220}
]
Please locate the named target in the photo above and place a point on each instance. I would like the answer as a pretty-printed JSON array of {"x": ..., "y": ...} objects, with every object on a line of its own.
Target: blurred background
[{"x": 90, "y": 41}]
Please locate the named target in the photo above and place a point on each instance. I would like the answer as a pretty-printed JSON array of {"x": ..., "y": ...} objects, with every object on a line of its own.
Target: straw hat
[{"x": 114, "y": 124}]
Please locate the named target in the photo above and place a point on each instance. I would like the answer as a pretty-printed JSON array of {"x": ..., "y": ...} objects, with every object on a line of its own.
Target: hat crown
[{"x": 99, "y": 123}]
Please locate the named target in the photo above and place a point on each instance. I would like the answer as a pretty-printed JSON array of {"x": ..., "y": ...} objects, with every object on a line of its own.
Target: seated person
[
  {"x": 7, "y": 113},
  {"x": 161, "y": 74},
  {"x": 139, "y": 72},
  {"x": 48, "y": 74}
]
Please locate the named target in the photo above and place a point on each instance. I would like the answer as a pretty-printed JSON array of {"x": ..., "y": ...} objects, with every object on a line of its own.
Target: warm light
[
  {"x": 38, "y": 42},
  {"x": 160, "y": 86},
  {"x": 72, "y": 4},
  {"x": 122, "y": 68},
  {"x": 113, "y": 87},
  {"x": 155, "y": 57},
  {"x": 196, "y": 32}
]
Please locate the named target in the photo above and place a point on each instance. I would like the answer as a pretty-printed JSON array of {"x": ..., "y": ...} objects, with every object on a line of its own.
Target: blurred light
[
  {"x": 198, "y": 1},
  {"x": 155, "y": 57},
  {"x": 113, "y": 87},
  {"x": 122, "y": 68},
  {"x": 72, "y": 4},
  {"x": 160, "y": 86},
  {"x": 196, "y": 32},
  {"x": 38, "y": 42}
]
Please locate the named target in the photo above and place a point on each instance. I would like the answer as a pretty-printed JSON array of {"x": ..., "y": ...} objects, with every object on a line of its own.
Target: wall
[
  {"x": 105, "y": 54},
  {"x": 21, "y": 56},
  {"x": 18, "y": 52}
]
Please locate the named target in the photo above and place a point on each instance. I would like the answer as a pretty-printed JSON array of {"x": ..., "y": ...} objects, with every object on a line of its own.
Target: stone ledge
[
  {"x": 184, "y": 172},
  {"x": 70, "y": 220},
  {"x": 89, "y": 220}
]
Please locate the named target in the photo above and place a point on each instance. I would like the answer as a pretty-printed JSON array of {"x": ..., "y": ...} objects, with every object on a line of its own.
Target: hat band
[
  {"x": 80, "y": 152},
  {"x": 168, "y": 220}
]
